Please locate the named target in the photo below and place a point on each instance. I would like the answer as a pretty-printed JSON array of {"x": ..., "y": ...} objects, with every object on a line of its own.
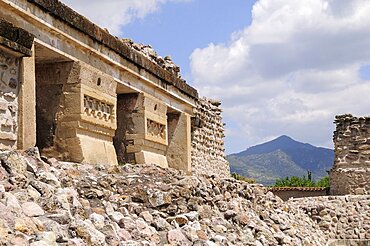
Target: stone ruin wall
[
  {"x": 208, "y": 152},
  {"x": 351, "y": 171},
  {"x": 9, "y": 78},
  {"x": 339, "y": 217}
]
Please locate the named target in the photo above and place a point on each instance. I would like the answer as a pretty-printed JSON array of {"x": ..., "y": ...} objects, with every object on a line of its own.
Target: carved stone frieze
[
  {"x": 156, "y": 130},
  {"x": 98, "y": 109}
]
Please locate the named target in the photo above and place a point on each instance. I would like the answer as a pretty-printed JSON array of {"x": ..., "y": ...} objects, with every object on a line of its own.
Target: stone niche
[
  {"x": 351, "y": 171},
  {"x": 141, "y": 135},
  {"x": 75, "y": 109},
  {"x": 9, "y": 89}
]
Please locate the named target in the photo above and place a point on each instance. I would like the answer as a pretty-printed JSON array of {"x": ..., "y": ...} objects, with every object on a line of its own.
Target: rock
[
  {"x": 176, "y": 237},
  {"x": 12, "y": 203},
  {"x": 87, "y": 231},
  {"x": 13, "y": 163},
  {"x": 45, "y": 238},
  {"x": 159, "y": 198},
  {"x": 116, "y": 216},
  {"x": 26, "y": 226},
  {"x": 180, "y": 220},
  {"x": 161, "y": 224},
  {"x": 48, "y": 178},
  {"x": 97, "y": 220},
  {"x": 192, "y": 216},
  {"x": 5, "y": 231},
  {"x": 229, "y": 214},
  {"x": 146, "y": 216},
  {"x": 243, "y": 219},
  {"x": 147, "y": 205},
  {"x": 32, "y": 209}
]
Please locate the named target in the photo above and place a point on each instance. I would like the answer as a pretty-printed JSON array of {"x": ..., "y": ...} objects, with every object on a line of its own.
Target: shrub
[
  {"x": 324, "y": 182},
  {"x": 242, "y": 178}
]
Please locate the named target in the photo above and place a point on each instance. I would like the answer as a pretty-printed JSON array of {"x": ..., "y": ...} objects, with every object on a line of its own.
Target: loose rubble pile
[
  {"x": 341, "y": 217},
  {"x": 46, "y": 202},
  {"x": 148, "y": 51}
]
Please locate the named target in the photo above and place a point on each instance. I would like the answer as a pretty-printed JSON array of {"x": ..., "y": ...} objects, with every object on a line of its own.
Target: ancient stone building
[
  {"x": 351, "y": 171},
  {"x": 83, "y": 95}
]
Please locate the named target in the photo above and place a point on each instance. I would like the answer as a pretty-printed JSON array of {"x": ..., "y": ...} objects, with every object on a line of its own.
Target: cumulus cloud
[
  {"x": 114, "y": 14},
  {"x": 291, "y": 71}
]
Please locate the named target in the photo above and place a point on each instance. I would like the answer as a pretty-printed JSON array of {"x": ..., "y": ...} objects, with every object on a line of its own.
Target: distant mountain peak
[
  {"x": 283, "y": 142},
  {"x": 285, "y": 156},
  {"x": 284, "y": 137}
]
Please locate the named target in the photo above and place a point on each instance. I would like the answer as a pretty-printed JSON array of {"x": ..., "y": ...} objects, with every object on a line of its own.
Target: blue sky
[
  {"x": 279, "y": 66},
  {"x": 177, "y": 28}
]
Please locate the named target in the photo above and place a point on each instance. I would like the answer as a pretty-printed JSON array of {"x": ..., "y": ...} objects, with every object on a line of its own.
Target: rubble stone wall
[
  {"x": 9, "y": 87},
  {"x": 351, "y": 171},
  {"x": 208, "y": 152},
  {"x": 339, "y": 217}
]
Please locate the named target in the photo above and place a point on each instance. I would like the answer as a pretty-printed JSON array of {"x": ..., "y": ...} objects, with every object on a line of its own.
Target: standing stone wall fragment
[
  {"x": 208, "y": 151},
  {"x": 351, "y": 171},
  {"x": 9, "y": 87}
]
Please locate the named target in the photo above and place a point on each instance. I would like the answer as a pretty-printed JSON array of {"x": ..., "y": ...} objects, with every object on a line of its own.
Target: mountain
[{"x": 280, "y": 158}]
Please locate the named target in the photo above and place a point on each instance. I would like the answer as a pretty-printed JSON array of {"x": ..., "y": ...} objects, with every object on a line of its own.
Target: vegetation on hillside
[
  {"x": 242, "y": 178},
  {"x": 304, "y": 181}
]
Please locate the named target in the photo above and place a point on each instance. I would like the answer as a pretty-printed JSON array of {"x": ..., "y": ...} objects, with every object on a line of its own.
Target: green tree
[
  {"x": 324, "y": 182},
  {"x": 304, "y": 181}
]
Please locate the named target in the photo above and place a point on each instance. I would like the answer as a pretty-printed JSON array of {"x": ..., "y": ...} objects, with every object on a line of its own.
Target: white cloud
[
  {"x": 291, "y": 71},
  {"x": 114, "y": 14}
]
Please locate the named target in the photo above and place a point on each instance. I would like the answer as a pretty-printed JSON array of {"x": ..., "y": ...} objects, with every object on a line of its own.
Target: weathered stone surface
[
  {"x": 342, "y": 217},
  {"x": 94, "y": 207},
  {"x": 208, "y": 152},
  {"x": 32, "y": 209},
  {"x": 13, "y": 163},
  {"x": 351, "y": 171},
  {"x": 15, "y": 38}
]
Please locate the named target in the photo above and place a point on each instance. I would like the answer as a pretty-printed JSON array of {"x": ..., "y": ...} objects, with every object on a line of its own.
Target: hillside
[{"x": 279, "y": 158}]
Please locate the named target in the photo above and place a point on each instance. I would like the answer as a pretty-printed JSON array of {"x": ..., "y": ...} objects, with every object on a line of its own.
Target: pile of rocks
[
  {"x": 46, "y": 202},
  {"x": 208, "y": 150},
  {"x": 148, "y": 51},
  {"x": 341, "y": 217}
]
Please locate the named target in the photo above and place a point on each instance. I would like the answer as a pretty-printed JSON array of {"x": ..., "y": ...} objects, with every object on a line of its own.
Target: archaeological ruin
[
  {"x": 82, "y": 95},
  {"x": 351, "y": 171}
]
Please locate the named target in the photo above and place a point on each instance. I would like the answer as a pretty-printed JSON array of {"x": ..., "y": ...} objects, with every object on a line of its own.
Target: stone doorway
[
  {"x": 52, "y": 71},
  {"x": 141, "y": 135},
  {"x": 125, "y": 125}
]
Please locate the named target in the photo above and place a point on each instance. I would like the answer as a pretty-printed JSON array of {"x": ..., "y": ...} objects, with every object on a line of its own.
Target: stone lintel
[
  {"x": 79, "y": 22},
  {"x": 15, "y": 39}
]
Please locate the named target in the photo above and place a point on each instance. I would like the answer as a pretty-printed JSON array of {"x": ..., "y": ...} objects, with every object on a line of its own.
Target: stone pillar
[
  {"x": 141, "y": 135},
  {"x": 351, "y": 171},
  {"x": 27, "y": 103},
  {"x": 179, "y": 141},
  {"x": 76, "y": 116}
]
